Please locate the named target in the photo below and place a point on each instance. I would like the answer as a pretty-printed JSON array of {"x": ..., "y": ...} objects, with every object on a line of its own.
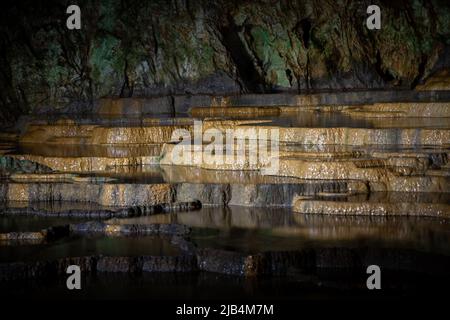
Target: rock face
[
  {"x": 103, "y": 194},
  {"x": 159, "y": 47}
]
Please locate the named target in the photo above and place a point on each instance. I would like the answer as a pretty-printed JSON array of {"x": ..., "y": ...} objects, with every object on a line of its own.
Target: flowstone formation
[{"x": 366, "y": 182}]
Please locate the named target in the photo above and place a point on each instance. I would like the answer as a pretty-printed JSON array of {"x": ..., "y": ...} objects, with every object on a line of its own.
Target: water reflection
[
  {"x": 263, "y": 229},
  {"x": 87, "y": 246}
]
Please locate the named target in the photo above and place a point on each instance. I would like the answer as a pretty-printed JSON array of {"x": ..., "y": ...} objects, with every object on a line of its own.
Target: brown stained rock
[
  {"x": 365, "y": 136},
  {"x": 37, "y": 133},
  {"x": 120, "y": 195},
  {"x": 438, "y": 81},
  {"x": 184, "y": 174},
  {"x": 379, "y": 178},
  {"x": 88, "y": 164},
  {"x": 261, "y": 195},
  {"x": 310, "y": 206},
  {"x": 22, "y": 236},
  {"x": 134, "y": 194},
  {"x": 399, "y": 109},
  {"x": 186, "y": 263}
]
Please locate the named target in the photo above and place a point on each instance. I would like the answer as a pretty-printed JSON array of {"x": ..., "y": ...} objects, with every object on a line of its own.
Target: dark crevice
[
  {"x": 172, "y": 105},
  {"x": 303, "y": 30},
  {"x": 384, "y": 74},
  {"x": 127, "y": 87},
  {"x": 246, "y": 68},
  {"x": 289, "y": 76},
  {"x": 421, "y": 71}
]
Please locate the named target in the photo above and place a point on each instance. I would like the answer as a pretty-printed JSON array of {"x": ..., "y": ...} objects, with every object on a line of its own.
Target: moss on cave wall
[{"x": 133, "y": 48}]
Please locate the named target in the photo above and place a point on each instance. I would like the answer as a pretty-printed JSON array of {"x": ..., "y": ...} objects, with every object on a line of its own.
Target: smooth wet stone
[
  {"x": 89, "y": 164},
  {"x": 259, "y": 195},
  {"x": 184, "y": 103},
  {"x": 64, "y": 213},
  {"x": 23, "y": 209},
  {"x": 105, "y": 194},
  {"x": 378, "y": 176},
  {"x": 399, "y": 109},
  {"x": 383, "y": 169},
  {"x": 129, "y": 229},
  {"x": 188, "y": 174},
  {"x": 372, "y": 208},
  {"x": 160, "y": 133},
  {"x": 439, "y": 81},
  {"x": 365, "y": 136},
  {"x": 229, "y": 262},
  {"x": 87, "y": 151},
  {"x": 11, "y": 164}
]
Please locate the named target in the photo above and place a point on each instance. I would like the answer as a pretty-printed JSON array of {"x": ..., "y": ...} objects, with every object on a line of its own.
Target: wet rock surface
[
  {"x": 361, "y": 181},
  {"x": 130, "y": 229}
]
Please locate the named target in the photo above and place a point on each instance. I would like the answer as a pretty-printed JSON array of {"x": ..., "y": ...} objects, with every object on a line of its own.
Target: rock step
[
  {"x": 411, "y": 174},
  {"x": 356, "y": 136},
  {"x": 157, "y": 154},
  {"x": 377, "y": 178},
  {"x": 375, "y": 110},
  {"x": 103, "y": 212},
  {"x": 136, "y": 194},
  {"x": 261, "y": 195},
  {"x": 181, "y": 104},
  {"x": 87, "y": 164},
  {"x": 220, "y": 194},
  {"x": 103, "y": 151},
  {"x": 106, "y": 194},
  {"x": 309, "y": 206},
  {"x": 195, "y": 175},
  {"x": 59, "y": 134},
  {"x": 365, "y": 136},
  {"x": 420, "y": 159},
  {"x": 438, "y": 81},
  {"x": 399, "y": 109},
  {"x": 362, "y": 157}
]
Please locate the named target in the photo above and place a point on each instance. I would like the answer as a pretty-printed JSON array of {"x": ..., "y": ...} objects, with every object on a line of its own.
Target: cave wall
[{"x": 144, "y": 48}]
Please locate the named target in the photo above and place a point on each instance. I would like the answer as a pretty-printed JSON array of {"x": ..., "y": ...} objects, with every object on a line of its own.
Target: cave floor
[{"x": 355, "y": 185}]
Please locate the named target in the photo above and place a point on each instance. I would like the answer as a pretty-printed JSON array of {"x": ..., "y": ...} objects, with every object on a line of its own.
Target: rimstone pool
[{"x": 356, "y": 185}]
